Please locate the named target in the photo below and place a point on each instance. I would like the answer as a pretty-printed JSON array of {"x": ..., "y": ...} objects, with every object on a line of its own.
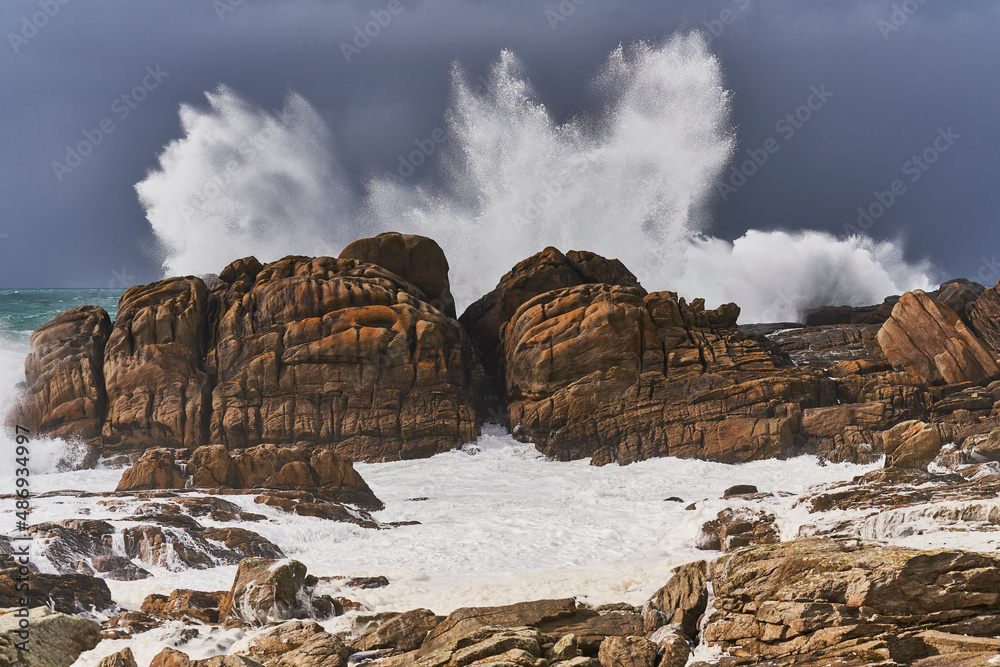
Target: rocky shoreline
[{"x": 267, "y": 382}]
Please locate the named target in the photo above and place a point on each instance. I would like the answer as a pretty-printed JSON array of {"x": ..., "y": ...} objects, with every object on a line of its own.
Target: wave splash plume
[{"x": 631, "y": 178}]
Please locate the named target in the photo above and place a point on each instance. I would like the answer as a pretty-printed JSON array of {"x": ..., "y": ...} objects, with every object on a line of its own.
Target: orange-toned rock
[
  {"x": 65, "y": 395},
  {"x": 158, "y": 391},
  {"x": 338, "y": 352},
  {"x": 616, "y": 374},
  {"x": 928, "y": 340},
  {"x": 416, "y": 259},
  {"x": 984, "y": 316}
]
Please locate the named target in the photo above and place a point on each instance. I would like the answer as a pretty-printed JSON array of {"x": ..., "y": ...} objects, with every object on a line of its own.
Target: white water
[{"x": 629, "y": 178}]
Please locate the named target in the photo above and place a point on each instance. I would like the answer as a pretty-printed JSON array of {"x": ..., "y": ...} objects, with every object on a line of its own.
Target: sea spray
[{"x": 631, "y": 178}]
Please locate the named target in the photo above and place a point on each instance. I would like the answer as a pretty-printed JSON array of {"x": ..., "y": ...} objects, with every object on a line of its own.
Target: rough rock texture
[
  {"x": 267, "y": 591},
  {"x": 681, "y": 601},
  {"x": 828, "y": 315},
  {"x": 338, "y": 352},
  {"x": 807, "y": 600},
  {"x": 984, "y": 316},
  {"x": 958, "y": 294},
  {"x": 734, "y": 528},
  {"x": 169, "y": 657},
  {"x": 66, "y": 593},
  {"x": 627, "y": 652},
  {"x": 56, "y": 640},
  {"x": 185, "y": 605},
  {"x": 620, "y": 375},
  {"x": 316, "y": 469},
  {"x": 545, "y": 271},
  {"x": 158, "y": 391},
  {"x": 294, "y": 644},
  {"x": 403, "y": 632},
  {"x": 65, "y": 395},
  {"x": 911, "y": 444},
  {"x": 929, "y": 341},
  {"x": 416, "y": 259},
  {"x": 123, "y": 658}
]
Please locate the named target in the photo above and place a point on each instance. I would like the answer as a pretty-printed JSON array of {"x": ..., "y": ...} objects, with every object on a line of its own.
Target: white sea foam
[{"x": 629, "y": 178}]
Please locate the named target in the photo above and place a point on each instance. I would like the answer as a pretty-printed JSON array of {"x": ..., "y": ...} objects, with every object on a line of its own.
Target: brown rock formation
[
  {"x": 983, "y": 315},
  {"x": 65, "y": 395},
  {"x": 540, "y": 273},
  {"x": 619, "y": 375},
  {"x": 337, "y": 352},
  {"x": 297, "y": 644},
  {"x": 185, "y": 605},
  {"x": 911, "y": 444},
  {"x": 416, "y": 259},
  {"x": 266, "y": 591},
  {"x": 158, "y": 391},
  {"x": 929, "y": 341}
]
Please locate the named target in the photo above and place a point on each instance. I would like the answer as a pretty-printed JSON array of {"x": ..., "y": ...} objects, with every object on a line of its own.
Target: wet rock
[
  {"x": 56, "y": 640},
  {"x": 416, "y": 259},
  {"x": 66, "y": 593},
  {"x": 65, "y": 396},
  {"x": 169, "y": 657},
  {"x": 483, "y": 646},
  {"x": 307, "y": 504},
  {"x": 403, "y": 632},
  {"x": 294, "y": 644},
  {"x": 680, "y": 602},
  {"x": 928, "y": 340},
  {"x": 367, "y": 582},
  {"x": 244, "y": 542},
  {"x": 673, "y": 646},
  {"x": 185, "y": 605},
  {"x": 158, "y": 390},
  {"x": 734, "y": 528},
  {"x": 984, "y": 316},
  {"x": 267, "y": 591},
  {"x": 129, "y": 623},
  {"x": 827, "y": 315},
  {"x": 958, "y": 294},
  {"x": 739, "y": 490}
]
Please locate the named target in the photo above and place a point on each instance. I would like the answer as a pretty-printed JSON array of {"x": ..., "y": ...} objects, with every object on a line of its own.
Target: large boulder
[
  {"x": 268, "y": 591},
  {"x": 158, "y": 391},
  {"x": 416, "y": 259},
  {"x": 811, "y": 600},
  {"x": 403, "y": 632},
  {"x": 51, "y": 639},
  {"x": 65, "y": 395},
  {"x": 983, "y": 315},
  {"x": 339, "y": 352},
  {"x": 616, "y": 374},
  {"x": 627, "y": 652},
  {"x": 545, "y": 271},
  {"x": 294, "y": 644},
  {"x": 929, "y": 341},
  {"x": 66, "y": 593},
  {"x": 911, "y": 444},
  {"x": 958, "y": 294}
]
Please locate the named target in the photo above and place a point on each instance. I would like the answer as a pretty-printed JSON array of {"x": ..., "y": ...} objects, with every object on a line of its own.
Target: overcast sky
[{"x": 899, "y": 84}]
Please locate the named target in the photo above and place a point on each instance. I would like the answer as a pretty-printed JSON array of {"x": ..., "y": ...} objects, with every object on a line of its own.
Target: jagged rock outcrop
[
  {"x": 268, "y": 591},
  {"x": 294, "y": 644},
  {"x": 416, "y": 259},
  {"x": 65, "y": 593},
  {"x": 545, "y": 271},
  {"x": 158, "y": 390},
  {"x": 315, "y": 469},
  {"x": 809, "y": 600},
  {"x": 338, "y": 352},
  {"x": 123, "y": 658},
  {"x": 185, "y": 605},
  {"x": 620, "y": 375},
  {"x": 402, "y": 633},
  {"x": 984, "y": 316},
  {"x": 65, "y": 396},
  {"x": 958, "y": 294},
  {"x": 52, "y": 639},
  {"x": 911, "y": 444},
  {"x": 929, "y": 341}
]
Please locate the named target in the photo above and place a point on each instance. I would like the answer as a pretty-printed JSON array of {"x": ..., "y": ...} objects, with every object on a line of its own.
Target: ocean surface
[{"x": 499, "y": 523}]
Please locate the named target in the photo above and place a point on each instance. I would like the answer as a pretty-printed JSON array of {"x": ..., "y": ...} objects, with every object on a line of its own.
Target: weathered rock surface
[
  {"x": 169, "y": 657},
  {"x": 545, "y": 271},
  {"x": 158, "y": 391},
  {"x": 337, "y": 352},
  {"x": 65, "y": 593},
  {"x": 416, "y": 259},
  {"x": 403, "y": 632},
  {"x": 316, "y": 469},
  {"x": 294, "y": 644},
  {"x": 929, "y": 341},
  {"x": 739, "y": 527},
  {"x": 911, "y": 444},
  {"x": 627, "y": 652},
  {"x": 618, "y": 375},
  {"x": 268, "y": 591},
  {"x": 983, "y": 315},
  {"x": 185, "y": 605},
  {"x": 123, "y": 658},
  {"x": 796, "y": 602},
  {"x": 65, "y": 396},
  {"x": 55, "y": 639}
]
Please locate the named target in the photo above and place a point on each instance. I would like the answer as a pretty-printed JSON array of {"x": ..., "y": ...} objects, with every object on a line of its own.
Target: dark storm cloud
[{"x": 896, "y": 79}]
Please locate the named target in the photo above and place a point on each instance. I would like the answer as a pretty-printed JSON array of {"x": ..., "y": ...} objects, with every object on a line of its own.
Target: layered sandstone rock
[
  {"x": 65, "y": 396},
  {"x": 620, "y": 375},
  {"x": 812, "y": 600},
  {"x": 158, "y": 391},
  {"x": 416, "y": 259},
  {"x": 984, "y": 316},
  {"x": 929, "y": 341},
  {"x": 338, "y": 352},
  {"x": 295, "y": 644}
]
